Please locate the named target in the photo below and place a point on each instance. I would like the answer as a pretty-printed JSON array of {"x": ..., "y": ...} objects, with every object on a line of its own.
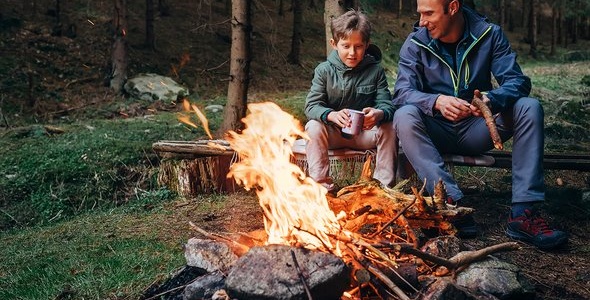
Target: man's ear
[
  {"x": 333, "y": 43},
  {"x": 454, "y": 7}
]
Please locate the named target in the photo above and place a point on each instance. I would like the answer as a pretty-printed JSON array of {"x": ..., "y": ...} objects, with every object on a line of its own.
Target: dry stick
[
  {"x": 301, "y": 277},
  {"x": 372, "y": 235},
  {"x": 461, "y": 259},
  {"x": 477, "y": 101},
  {"x": 390, "y": 284},
  {"x": 238, "y": 248}
]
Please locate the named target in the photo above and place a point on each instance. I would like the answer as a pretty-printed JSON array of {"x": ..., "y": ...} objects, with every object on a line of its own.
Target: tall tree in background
[
  {"x": 293, "y": 56},
  {"x": 400, "y": 8},
  {"x": 502, "y": 10},
  {"x": 554, "y": 18},
  {"x": 150, "y": 37},
  {"x": 239, "y": 69},
  {"x": 525, "y": 13},
  {"x": 533, "y": 27},
  {"x": 332, "y": 9},
  {"x": 119, "y": 55}
]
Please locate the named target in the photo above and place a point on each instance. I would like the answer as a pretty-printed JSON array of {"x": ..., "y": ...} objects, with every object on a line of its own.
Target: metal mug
[{"x": 357, "y": 119}]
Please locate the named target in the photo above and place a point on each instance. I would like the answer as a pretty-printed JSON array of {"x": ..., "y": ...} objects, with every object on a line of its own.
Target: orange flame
[
  {"x": 187, "y": 120},
  {"x": 295, "y": 208}
]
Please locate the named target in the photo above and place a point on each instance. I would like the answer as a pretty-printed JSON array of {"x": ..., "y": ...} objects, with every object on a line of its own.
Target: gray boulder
[
  {"x": 154, "y": 87},
  {"x": 498, "y": 278}
]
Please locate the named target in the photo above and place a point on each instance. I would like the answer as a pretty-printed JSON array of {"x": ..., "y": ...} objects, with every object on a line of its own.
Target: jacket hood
[{"x": 373, "y": 56}]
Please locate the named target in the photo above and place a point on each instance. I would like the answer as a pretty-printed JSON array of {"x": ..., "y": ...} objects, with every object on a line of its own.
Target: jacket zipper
[{"x": 454, "y": 75}]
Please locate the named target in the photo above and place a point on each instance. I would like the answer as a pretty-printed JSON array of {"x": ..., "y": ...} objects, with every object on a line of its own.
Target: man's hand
[
  {"x": 372, "y": 117},
  {"x": 453, "y": 109}
]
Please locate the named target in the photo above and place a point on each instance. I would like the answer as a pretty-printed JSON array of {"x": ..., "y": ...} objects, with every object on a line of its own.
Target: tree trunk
[
  {"x": 562, "y": 27},
  {"x": 575, "y": 19},
  {"x": 163, "y": 8},
  {"x": 281, "y": 8},
  {"x": 237, "y": 92},
  {"x": 150, "y": 38},
  {"x": 193, "y": 168},
  {"x": 400, "y": 7},
  {"x": 119, "y": 56},
  {"x": 533, "y": 27},
  {"x": 554, "y": 17},
  {"x": 293, "y": 56},
  {"x": 502, "y": 10},
  {"x": 332, "y": 10},
  {"x": 525, "y": 14},
  {"x": 509, "y": 17}
]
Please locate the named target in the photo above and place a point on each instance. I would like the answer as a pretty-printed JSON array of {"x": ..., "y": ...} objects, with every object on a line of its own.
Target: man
[{"x": 453, "y": 52}]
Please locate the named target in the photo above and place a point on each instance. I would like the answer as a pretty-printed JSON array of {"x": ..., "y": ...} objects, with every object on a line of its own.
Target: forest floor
[{"x": 47, "y": 78}]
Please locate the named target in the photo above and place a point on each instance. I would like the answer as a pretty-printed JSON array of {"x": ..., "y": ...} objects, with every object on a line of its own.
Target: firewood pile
[{"x": 383, "y": 237}]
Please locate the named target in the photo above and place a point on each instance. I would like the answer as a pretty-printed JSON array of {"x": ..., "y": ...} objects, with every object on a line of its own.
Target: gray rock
[
  {"x": 204, "y": 287},
  {"x": 498, "y": 278},
  {"x": 153, "y": 87},
  {"x": 445, "y": 289},
  {"x": 269, "y": 272},
  {"x": 209, "y": 255}
]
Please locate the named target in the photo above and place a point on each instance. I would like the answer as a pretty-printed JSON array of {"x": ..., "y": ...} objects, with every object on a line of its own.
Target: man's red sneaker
[{"x": 533, "y": 229}]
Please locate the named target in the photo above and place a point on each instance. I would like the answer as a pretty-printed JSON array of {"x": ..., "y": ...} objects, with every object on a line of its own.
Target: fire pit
[{"x": 376, "y": 232}]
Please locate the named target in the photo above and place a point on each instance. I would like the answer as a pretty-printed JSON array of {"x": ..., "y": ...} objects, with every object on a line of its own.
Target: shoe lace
[{"x": 537, "y": 224}]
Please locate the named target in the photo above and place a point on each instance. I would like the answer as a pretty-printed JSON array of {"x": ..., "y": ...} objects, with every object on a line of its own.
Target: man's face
[
  {"x": 433, "y": 17},
  {"x": 351, "y": 50}
]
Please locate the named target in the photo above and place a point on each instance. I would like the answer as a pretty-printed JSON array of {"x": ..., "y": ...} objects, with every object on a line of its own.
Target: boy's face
[{"x": 351, "y": 50}]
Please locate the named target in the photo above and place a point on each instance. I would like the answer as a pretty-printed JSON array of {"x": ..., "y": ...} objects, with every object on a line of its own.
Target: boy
[{"x": 351, "y": 78}]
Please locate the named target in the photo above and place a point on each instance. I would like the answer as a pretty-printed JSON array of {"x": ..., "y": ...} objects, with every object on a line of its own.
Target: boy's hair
[{"x": 343, "y": 25}]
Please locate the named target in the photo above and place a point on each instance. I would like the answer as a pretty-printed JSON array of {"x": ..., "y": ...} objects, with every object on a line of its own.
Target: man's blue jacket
[{"x": 425, "y": 68}]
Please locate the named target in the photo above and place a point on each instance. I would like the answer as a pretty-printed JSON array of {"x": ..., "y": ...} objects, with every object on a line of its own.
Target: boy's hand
[
  {"x": 372, "y": 117},
  {"x": 340, "y": 118}
]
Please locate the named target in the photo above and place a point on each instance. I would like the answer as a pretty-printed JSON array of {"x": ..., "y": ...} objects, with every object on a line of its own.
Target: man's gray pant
[
  {"x": 324, "y": 137},
  {"x": 423, "y": 138}
]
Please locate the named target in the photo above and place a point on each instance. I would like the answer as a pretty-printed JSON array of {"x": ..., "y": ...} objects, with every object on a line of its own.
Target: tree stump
[{"x": 191, "y": 168}]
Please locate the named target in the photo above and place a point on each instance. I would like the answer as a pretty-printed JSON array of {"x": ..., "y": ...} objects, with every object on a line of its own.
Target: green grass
[
  {"x": 87, "y": 257},
  {"x": 94, "y": 164},
  {"x": 106, "y": 254}
]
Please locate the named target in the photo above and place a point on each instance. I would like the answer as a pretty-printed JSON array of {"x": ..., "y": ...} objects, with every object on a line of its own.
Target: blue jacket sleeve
[
  {"x": 513, "y": 84},
  {"x": 410, "y": 80}
]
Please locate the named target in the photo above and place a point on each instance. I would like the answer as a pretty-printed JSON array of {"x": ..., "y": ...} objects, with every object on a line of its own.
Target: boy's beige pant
[{"x": 324, "y": 137}]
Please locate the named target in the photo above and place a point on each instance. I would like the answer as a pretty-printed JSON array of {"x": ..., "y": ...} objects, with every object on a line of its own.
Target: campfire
[{"x": 378, "y": 233}]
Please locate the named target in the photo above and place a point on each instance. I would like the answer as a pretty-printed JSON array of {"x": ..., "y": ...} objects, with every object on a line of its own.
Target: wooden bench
[{"x": 346, "y": 164}]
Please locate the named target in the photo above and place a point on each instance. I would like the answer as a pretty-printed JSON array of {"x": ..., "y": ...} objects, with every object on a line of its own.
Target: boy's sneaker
[{"x": 533, "y": 229}]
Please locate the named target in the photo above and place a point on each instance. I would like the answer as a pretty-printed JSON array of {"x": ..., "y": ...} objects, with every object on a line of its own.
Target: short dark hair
[{"x": 343, "y": 25}]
